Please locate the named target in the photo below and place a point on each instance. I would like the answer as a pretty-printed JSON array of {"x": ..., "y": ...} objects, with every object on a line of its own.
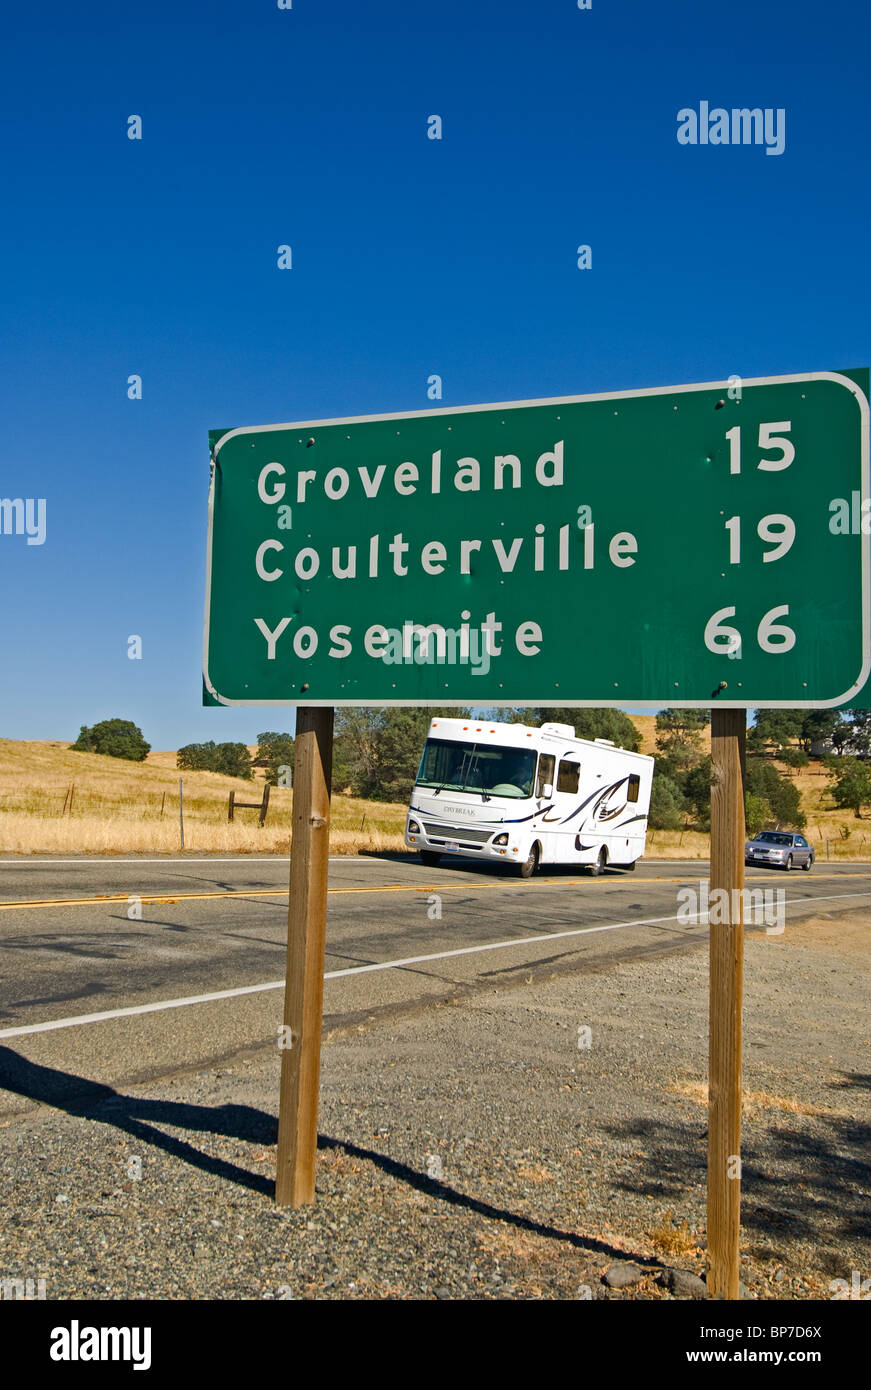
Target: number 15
[{"x": 768, "y": 439}]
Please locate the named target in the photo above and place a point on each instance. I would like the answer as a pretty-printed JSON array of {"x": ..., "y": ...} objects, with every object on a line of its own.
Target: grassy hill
[
  {"x": 646, "y": 726},
  {"x": 847, "y": 836},
  {"x": 120, "y": 807}
]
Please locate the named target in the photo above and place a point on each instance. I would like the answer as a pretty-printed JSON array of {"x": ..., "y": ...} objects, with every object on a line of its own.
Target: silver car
[{"x": 779, "y": 849}]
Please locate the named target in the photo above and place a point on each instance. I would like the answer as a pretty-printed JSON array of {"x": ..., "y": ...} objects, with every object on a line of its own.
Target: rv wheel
[
  {"x": 599, "y": 866},
  {"x": 529, "y": 866},
  {"x": 429, "y": 859}
]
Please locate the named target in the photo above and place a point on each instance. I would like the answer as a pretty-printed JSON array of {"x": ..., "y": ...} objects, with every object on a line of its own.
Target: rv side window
[
  {"x": 569, "y": 773},
  {"x": 632, "y": 789},
  {"x": 546, "y": 765}
]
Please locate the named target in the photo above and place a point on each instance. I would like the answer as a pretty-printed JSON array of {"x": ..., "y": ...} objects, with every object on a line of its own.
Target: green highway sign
[{"x": 683, "y": 545}]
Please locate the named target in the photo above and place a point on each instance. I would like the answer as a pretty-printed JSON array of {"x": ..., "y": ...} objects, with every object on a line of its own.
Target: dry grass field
[
  {"x": 120, "y": 807},
  {"x": 848, "y": 837}
]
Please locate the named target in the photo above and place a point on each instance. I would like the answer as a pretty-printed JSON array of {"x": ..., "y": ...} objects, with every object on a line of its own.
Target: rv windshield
[{"x": 476, "y": 767}]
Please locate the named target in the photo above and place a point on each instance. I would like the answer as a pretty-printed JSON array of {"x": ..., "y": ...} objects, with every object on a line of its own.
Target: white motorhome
[{"x": 526, "y": 796}]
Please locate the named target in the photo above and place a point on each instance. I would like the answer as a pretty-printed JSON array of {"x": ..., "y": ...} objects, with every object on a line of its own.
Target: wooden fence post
[{"x": 262, "y": 805}]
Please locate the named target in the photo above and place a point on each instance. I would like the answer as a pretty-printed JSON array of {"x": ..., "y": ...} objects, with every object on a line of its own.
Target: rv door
[{"x": 545, "y": 778}]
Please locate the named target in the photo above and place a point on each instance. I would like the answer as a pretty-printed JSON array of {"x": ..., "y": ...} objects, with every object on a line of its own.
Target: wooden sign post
[
  {"x": 726, "y": 988},
  {"x": 306, "y": 934}
]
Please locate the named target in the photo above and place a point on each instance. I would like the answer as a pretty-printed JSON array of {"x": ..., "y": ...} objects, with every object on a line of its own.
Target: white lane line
[
  {"x": 329, "y": 975},
  {"x": 138, "y": 1009},
  {"x": 80, "y": 1019}
]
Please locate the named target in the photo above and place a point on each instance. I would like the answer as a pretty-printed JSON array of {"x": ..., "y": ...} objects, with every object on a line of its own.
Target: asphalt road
[{"x": 73, "y": 947}]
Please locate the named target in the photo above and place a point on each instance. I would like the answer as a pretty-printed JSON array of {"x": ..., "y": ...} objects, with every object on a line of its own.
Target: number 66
[{"x": 772, "y": 636}]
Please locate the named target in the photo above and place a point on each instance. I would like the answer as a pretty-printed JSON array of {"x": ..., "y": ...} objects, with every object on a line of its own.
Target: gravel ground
[{"x": 475, "y": 1150}]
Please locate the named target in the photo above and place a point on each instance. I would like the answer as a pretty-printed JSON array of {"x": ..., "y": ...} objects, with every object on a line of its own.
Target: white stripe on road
[
  {"x": 138, "y": 1009},
  {"x": 80, "y": 1019},
  {"x": 329, "y": 975}
]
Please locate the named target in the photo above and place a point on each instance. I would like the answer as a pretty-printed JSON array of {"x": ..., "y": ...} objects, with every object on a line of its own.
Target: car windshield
[
  {"x": 769, "y": 838},
  {"x": 476, "y": 767}
]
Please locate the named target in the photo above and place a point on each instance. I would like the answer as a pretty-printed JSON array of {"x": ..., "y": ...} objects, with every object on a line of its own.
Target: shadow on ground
[
  {"x": 803, "y": 1178},
  {"x": 138, "y": 1116},
  {"x": 490, "y": 868}
]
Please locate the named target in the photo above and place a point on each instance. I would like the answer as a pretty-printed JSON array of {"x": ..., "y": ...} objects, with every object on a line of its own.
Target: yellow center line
[{"x": 105, "y": 899}]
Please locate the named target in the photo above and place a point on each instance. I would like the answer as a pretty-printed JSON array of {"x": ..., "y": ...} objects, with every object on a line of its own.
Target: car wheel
[
  {"x": 429, "y": 859},
  {"x": 599, "y": 866},
  {"x": 530, "y": 864},
  {"x": 788, "y": 862},
  {"x": 808, "y": 862}
]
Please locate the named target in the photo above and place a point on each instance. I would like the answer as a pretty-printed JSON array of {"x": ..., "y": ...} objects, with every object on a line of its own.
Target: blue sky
[{"x": 411, "y": 256}]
